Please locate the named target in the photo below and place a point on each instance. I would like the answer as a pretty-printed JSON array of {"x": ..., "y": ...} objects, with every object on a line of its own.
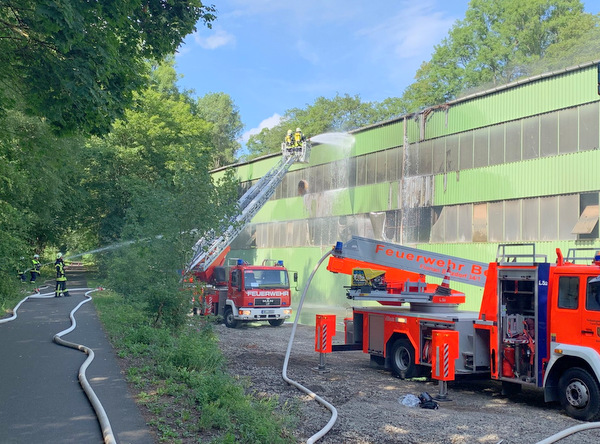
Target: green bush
[{"x": 183, "y": 370}]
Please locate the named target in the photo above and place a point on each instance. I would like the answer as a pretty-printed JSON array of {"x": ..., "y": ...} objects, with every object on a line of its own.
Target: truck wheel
[
  {"x": 230, "y": 321},
  {"x": 579, "y": 394},
  {"x": 403, "y": 359},
  {"x": 276, "y": 322}
]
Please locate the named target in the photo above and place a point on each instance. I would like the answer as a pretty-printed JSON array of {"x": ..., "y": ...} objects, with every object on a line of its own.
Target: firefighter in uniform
[
  {"x": 35, "y": 268},
  {"x": 298, "y": 138},
  {"x": 61, "y": 278},
  {"x": 289, "y": 139},
  {"x": 22, "y": 270}
]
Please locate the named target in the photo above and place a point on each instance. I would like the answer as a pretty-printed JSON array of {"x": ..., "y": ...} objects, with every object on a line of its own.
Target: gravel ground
[{"x": 368, "y": 400}]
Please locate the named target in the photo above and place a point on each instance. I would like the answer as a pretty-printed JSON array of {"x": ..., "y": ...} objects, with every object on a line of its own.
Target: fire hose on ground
[
  {"x": 107, "y": 432},
  {"x": 314, "y": 396},
  {"x": 570, "y": 431}
]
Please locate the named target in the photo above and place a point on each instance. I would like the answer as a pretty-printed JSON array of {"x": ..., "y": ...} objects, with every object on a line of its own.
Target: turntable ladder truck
[
  {"x": 538, "y": 324},
  {"x": 241, "y": 292}
]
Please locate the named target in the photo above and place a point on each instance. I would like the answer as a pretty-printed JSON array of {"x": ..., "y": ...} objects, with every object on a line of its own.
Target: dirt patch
[{"x": 368, "y": 400}]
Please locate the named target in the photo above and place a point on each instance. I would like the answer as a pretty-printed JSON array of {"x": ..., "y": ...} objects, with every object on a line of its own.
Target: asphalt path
[{"x": 41, "y": 400}]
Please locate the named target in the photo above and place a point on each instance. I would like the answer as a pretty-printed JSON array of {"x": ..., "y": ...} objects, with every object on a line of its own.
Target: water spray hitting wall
[{"x": 342, "y": 140}]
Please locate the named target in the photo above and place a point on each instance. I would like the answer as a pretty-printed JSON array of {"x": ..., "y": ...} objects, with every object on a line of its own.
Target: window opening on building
[
  {"x": 587, "y": 225},
  {"x": 587, "y": 221},
  {"x": 302, "y": 187}
]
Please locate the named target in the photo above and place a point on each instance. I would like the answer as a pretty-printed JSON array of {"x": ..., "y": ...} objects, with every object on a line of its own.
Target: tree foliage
[
  {"x": 339, "y": 114},
  {"x": 155, "y": 187},
  {"x": 119, "y": 153},
  {"x": 220, "y": 110},
  {"x": 76, "y": 63},
  {"x": 500, "y": 41}
]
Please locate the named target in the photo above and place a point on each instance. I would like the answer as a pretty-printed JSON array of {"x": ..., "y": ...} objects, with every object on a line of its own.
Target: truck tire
[
  {"x": 230, "y": 321},
  {"x": 402, "y": 357},
  {"x": 276, "y": 322},
  {"x": 579, "y": 394}
]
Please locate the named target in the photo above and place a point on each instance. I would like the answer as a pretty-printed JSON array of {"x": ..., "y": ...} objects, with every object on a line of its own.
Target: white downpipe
[
  {"x": 107, "y": 432},
  {"x": 317, "y": 398}
]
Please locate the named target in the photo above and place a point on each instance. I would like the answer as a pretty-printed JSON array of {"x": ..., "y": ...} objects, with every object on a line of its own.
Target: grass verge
[{"x": 181, "y": 380}]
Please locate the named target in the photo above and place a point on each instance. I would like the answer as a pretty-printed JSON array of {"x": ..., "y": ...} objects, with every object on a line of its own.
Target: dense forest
[{"x": 99, "y": 146}]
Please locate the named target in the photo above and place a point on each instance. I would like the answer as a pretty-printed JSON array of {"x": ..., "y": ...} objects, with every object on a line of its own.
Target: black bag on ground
[{"x": 427, "y": 401}]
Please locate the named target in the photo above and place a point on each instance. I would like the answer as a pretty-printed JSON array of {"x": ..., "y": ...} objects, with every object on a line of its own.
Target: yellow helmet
[
  {"x": 59, "y": 255},
  {"x": 289, "y": 131},
  {"x": 298, "y": 130}
]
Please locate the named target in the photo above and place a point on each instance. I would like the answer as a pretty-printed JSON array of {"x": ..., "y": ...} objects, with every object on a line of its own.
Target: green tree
[
  {"x": 149, "y": 182},
  {"x": 339, "y": 114},
  {"x": 578, "y": 42},
  {"x": 220, "y": 110},
  {"x": 36, "y": 182},
  {"x": 76, "y": 63},
  {"x": 497, "y": 42}
]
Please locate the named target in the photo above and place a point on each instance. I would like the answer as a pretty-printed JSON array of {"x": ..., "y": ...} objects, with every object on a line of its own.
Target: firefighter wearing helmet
[
  {"x": 289, "y": 138},
  {"x": 35, "y": 268},
  {"x": 61, "y": 278},
  {"x": 298, "y": 138}
]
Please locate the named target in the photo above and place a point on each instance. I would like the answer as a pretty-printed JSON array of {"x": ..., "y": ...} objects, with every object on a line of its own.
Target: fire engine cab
[
  {"x": 538, "y": 324},
  {"x": 244, "y": 293}
]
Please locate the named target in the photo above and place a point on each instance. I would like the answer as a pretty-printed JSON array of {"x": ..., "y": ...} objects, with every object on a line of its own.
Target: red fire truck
[
  {"x": 241, "y": 292},
  {"x": 538, "y": 324}
]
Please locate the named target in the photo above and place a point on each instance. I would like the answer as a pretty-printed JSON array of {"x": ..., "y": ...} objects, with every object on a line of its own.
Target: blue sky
[{"x": 273, "y": 55}]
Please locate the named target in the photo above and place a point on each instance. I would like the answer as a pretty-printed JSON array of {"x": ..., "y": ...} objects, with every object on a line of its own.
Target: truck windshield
[{"x": 266, "y": 279}]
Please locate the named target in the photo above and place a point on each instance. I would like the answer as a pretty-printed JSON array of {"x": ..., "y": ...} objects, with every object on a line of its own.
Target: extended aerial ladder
[
  {"x": 404, "y": 269},
  {"x": 211, "y": 249}
]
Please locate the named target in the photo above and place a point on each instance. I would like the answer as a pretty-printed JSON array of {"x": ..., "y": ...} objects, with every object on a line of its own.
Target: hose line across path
[{"x": 55, "y": 394}]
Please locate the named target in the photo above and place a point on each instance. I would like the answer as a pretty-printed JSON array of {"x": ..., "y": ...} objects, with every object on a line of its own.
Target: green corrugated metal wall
[
  {"x": 534, "y": 97},
  {"x": 569, "y": 173},
  {"x": 354, "y": 200},
  {"x": 526, "y": 98}
]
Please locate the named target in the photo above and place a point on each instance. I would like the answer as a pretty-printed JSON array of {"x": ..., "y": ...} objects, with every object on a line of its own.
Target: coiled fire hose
[
  {"x": 317, "y": 398},
  {"x": 107, "y": 432}
]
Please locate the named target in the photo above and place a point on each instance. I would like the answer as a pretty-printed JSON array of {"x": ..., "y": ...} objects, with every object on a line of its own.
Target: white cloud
[
  {"x": 410, "y": 34},
  {"x": 269, "y": 122},
  {"x": 217, "y": 39}
]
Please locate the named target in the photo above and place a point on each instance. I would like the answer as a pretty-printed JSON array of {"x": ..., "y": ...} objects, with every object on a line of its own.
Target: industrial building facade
[{"x": 518, "y": 163}]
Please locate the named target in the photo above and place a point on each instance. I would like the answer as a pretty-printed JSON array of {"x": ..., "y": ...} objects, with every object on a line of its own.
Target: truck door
[
  {"x": 590, "y": 320},
  {"x": 235, "y": 288}
]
